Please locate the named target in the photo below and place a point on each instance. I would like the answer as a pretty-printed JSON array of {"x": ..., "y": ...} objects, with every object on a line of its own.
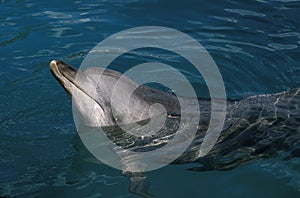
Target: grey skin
[{"x": 256, "y": 127}]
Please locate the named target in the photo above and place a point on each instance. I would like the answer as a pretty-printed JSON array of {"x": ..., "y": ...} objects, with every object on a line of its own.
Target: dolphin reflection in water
[{"x": 255, "y": 127}]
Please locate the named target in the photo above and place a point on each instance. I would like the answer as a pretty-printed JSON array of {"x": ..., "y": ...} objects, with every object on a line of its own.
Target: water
[{"x": 254, "y": 43}]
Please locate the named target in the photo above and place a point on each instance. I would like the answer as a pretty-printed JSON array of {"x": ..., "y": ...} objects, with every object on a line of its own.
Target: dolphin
[
  {"x": 255, "y": 127},
  {"x": 95, "y": 92}
]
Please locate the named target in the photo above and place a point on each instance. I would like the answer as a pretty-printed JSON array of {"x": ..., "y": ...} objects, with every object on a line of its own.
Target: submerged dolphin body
[{"x": 255, "y": 127}]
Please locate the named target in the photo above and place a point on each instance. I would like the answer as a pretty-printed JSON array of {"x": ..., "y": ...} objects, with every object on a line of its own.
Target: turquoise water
[{"x": 254, "y": 43}]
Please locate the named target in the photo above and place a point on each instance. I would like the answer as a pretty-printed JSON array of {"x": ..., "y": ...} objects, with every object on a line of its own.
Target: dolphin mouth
[{"x": 66, "y": 75}]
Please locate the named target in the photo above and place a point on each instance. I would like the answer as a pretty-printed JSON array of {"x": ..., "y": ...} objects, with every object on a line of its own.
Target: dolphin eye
[{"x": 118, "y": 119}]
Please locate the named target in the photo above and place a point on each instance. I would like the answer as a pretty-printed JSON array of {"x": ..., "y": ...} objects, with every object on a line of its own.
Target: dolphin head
[{"x": 94, "y": 104}]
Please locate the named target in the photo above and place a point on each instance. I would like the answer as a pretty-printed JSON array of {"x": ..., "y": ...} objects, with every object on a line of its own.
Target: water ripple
[
  {"x": 54, "y": 15},
  {"x": 286, "y": 34},
  {"x": 18, "y": 37},
  {"x": 245, "y": 12},
  {"x": 227, "y": 19},
  {"x": 240, "y": 43},
  {"x": 278, "y": 46}
]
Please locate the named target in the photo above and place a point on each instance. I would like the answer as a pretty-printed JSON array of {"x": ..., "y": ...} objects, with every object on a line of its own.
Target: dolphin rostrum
[{"x": 255, "y": 127}]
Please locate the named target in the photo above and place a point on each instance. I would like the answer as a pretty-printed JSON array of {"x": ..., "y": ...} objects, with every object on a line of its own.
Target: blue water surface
[{"x": 254, "y": 43}]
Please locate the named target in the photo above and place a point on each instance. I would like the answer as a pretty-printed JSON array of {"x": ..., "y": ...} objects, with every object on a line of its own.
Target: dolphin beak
[
  {"x": 70, "y": 78},
  {"x": 64, "y": 73},
  {"x": 60, "y": 68}
]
